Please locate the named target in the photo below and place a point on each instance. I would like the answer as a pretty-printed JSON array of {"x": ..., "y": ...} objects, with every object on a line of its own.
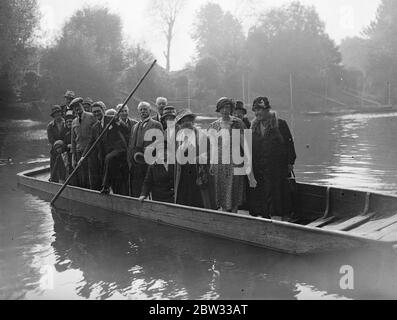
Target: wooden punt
[{"x": 329, "y": 219}]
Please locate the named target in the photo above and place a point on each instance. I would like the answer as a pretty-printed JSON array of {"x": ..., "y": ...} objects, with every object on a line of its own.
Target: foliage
[
  {"x": 18, "y": 21},
  {"x": 87, "y": 58},
  {"x": 291, "y": 40},
  {"x": 382, "y": 65},
  {"x": 219, "y": 41}
]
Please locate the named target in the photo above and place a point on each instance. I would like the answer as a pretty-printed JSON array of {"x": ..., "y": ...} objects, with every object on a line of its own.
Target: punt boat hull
[{"x": 274, "y": 235}]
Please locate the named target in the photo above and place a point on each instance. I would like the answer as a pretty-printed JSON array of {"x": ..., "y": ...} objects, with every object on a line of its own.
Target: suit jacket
[
  {"x": 82, "y": 132},
  {"x": 130, "y": 124},
  {"x": 136, "y": 141},
  {"x": 116, "y": 138},
  {"x": 54, "y": 134}
]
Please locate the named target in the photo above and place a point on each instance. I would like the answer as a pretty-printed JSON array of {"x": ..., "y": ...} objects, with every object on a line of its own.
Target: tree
[
  {"x": 87, "y": 58},
  {"x": 292, "y": 40},
  {"x": 18, "y": 22},
  {"x": 166, "y": 14},
  {"x": 382, "y": 64},
  {"x": 220, "y": 42},
  {"x": 137, "y": 61}
]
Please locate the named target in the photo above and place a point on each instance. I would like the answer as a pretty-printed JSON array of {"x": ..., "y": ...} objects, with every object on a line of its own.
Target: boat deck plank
[
  {"x": 351, "y": 223},
  {"x": 320, "y": 223},
  {"x": 375, "y": 225}
]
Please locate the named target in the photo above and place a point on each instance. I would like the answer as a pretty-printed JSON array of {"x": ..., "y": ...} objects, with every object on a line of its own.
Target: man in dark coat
[
  {"x": 69, "y": 117},
  {"x": 115, "y": 151},
  {"x": 56, "y": 131},
  {"x": 96, "y": 159},
  {"x": 124, "y": 116},
  {"x": 137, "y": 146},
  {"x": 81, "y": 136},
  {"x": 273, "y": 158}
]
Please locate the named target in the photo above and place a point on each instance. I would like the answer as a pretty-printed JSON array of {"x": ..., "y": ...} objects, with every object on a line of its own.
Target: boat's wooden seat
[
  {"x": 351, "y": 223},
  {"x": 376, "y": 225},
  {"x": 321, "y": 222},
  {"x": 387, "y": 234}
]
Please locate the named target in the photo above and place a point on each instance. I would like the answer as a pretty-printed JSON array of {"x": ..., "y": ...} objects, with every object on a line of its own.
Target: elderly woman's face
[
  {"x": 226, "y": 110},
  {"x": 144, "y": 112}
]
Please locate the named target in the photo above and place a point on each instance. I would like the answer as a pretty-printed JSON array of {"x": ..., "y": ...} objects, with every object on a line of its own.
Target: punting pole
[{"x": 101, "y": 135}]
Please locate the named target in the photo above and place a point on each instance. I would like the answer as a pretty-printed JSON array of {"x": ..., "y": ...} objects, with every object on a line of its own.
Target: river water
[{"x": 52, "y": 254}]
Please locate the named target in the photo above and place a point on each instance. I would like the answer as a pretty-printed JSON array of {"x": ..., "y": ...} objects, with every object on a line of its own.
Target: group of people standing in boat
[{"x": 118, "y": 162}]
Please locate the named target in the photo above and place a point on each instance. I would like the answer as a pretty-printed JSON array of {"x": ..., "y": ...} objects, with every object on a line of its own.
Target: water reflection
[{"x": 106, "y": 256}]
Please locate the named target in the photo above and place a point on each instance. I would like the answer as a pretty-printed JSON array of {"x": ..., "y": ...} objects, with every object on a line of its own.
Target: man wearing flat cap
[
  {"x": 56, "y": 131},
  {"x": 81, "y": 136}
]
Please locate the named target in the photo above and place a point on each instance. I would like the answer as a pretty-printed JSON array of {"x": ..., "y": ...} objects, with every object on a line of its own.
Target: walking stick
[{"x": 85, "y": 156}]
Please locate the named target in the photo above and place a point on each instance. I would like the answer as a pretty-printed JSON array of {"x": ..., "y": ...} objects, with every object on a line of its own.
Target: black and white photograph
[{"x": 198, "y": 156}]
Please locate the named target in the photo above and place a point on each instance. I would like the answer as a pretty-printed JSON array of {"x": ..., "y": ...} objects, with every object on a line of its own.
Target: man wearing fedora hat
[
  {"x": 56, "y": 131},
  {"x": 137, "y": 146}
]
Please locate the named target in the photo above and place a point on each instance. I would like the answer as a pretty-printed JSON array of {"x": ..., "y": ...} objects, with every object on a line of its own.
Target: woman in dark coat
[
  {"x": 159, "y": 180},
  {"x": 273, "y": 155},
  {"x": 192, "y": 181}
]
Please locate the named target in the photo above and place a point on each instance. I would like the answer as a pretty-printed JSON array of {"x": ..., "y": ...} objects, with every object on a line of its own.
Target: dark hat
[
  {"x": 240, "y": 106},
  {"x": 76, "y": 101},
  {"x": 225, "y": 101},
  {"x": 69, "y": 115},
  {"x": 184, "y": 114},
  {"x": 55, "y": 109},
  {"x": 261, "y": 102},
  {"x": 88, "y": 101},
  {"x": 69, "y": 94},
  {"x": 169, "y": 111}
]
